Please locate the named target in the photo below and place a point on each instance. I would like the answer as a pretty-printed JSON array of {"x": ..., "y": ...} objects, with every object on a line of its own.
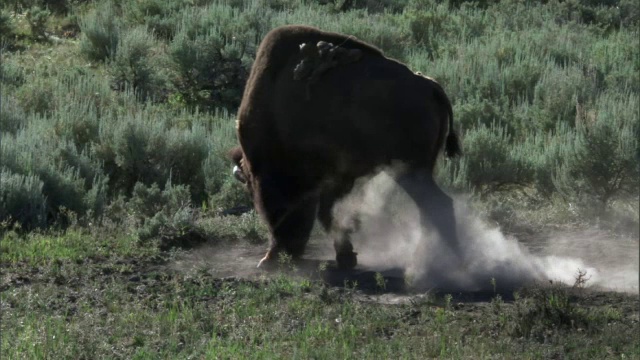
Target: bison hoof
[
  {"x": 266, "y": 259},
  {"x": 347, "y": 261}
]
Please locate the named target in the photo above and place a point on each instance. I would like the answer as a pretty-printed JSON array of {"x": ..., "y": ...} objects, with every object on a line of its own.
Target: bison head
[
  {"x": 239, "y": 171},
  {"x": 239, "y": 175}
]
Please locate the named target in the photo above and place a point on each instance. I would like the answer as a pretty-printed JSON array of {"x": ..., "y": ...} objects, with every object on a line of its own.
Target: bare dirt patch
[{"x": 394, "y": 250}]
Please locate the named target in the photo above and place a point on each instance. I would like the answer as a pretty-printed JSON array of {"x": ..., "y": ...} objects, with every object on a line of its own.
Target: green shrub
[
  {"x": 55, "y": 6},
  {"x": 147, "y": 201},
  {"x": 607, "y": 15},
  {"x": 100, "y": 32},
  {"x": 22, "y": 200},
  {"x": 231, "y": 194},
  {"x": 37, "y": 95},
  {"x": 629, "y": 13},
  {"x": 38, "y": 18},
  {"x": 614, "y": 62},
  {"x": 138, "y": 148},
  {"x": 7, "y": 29},
  {"x": 81, "y": 97},
  {"x": 429, "y": 24},
  {"x": 556, "y": 96},
  {"x": 87, "y": 167},
  {"x": 477, "y": 111},
  {"x": 546, "y": 152},
  {"x": 11, "y": 74},
  {"x": 490, "y": 163},
  {"x": 210, "y": 56},
  {"x": 131, "y": 68},
  {"x": 12, "y": 117},
  {"x": 165, "y": 214},
  {"x": 385, "y": 31},
  {"x": 372, "y": 6},
  {"x": 160, "y": 16},
  {"x": 246, "y": 227},
  {"x": 66, "y": 173},
  {"x": 96, "y": 198},
  {"x": 603, "y": 165}
]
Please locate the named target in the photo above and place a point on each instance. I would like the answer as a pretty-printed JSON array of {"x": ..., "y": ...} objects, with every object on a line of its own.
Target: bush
[
  {"x": 372, "y": 6},
  {"x": 385, "y": 31},
  {"x": 66, "y": 173},
  {"x": 11, "y": 74},
  {"x": 160, "y": 16},
  {"x": 477, "y": 111},
  {"x": 37, "y": 95},
  {"x": 55, "y": 6},
  {"x": 139, "y": 148},
  {"x": 603, "y": 163},
  {"x": 210, "y": 54},
  {"x": 7, "y": 29},
  {"x": 22, "y": 200},
  {"x": 556, "y": 96},
  {"x": 607, "y": 15},
  {"x": 100, "y": 32},
  {"x": 131, "y": 68},
  {"x": 166, "y": 215},
  {"x": 490, "y": 163},
  {"x": 38, "y": 18},
  {"x": 232, "y": 194},
  {"x": 428, "y": 25},
  {"x": 246, "y": 227},
  {"x": 12, "y": 117}
]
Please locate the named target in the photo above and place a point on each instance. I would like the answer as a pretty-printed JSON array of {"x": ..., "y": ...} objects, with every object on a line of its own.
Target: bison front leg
[
  {"x": 290, "y": 216},
  {"x": 346, "y": 258}
]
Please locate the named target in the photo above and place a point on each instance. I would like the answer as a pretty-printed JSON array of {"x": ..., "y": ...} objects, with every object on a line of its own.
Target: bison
[{"x": 303, "y": 145}]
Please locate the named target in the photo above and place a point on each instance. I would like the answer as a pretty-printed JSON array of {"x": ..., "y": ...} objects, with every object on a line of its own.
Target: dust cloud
[{"x": 390, "y": 236}]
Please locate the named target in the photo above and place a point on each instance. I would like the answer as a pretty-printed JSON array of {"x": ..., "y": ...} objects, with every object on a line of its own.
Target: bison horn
[{"x": 237, "y": 173}]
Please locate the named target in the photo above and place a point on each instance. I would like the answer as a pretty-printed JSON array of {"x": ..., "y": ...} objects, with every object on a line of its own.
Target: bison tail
[{"x": 452, "y": 145}]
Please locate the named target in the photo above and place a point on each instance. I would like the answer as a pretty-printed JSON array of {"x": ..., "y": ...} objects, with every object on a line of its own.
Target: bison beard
[{"x": 298, "y": 155}]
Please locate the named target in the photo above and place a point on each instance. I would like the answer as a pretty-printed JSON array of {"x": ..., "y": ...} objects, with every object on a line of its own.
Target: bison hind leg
[
  {"x": 436, "y": 207},
  {"x": 346, "y": 258}
]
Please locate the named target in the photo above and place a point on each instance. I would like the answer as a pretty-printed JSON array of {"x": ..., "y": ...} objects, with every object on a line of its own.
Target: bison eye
[{"x": 239, "y": 175}]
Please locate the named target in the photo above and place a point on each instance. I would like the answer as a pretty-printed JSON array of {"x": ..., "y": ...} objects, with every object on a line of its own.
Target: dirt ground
[
  {"x": 611, "y": 263},
  {"x": 107, "y": 289}
]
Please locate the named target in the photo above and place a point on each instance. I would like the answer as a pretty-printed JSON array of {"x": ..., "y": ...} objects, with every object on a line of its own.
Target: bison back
[{"x": 355, "y": 116}]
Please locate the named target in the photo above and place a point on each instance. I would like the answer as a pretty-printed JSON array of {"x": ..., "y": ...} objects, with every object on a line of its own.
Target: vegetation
[
  {"x": 115, "y": 117},
  {"x": 117, "y": 93}
]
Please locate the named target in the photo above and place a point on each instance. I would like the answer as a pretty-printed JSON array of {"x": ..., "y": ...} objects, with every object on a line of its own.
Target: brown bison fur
[{"x": 299, "y": 155}]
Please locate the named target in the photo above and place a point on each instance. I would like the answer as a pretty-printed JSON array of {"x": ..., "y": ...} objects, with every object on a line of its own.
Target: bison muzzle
[{"x": 302, "y": 151}]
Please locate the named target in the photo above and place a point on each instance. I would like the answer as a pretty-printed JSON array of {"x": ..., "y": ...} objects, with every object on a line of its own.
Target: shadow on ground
[
  {"x": 387, "y": 285},
  {"x": 388, "y": 282}
]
